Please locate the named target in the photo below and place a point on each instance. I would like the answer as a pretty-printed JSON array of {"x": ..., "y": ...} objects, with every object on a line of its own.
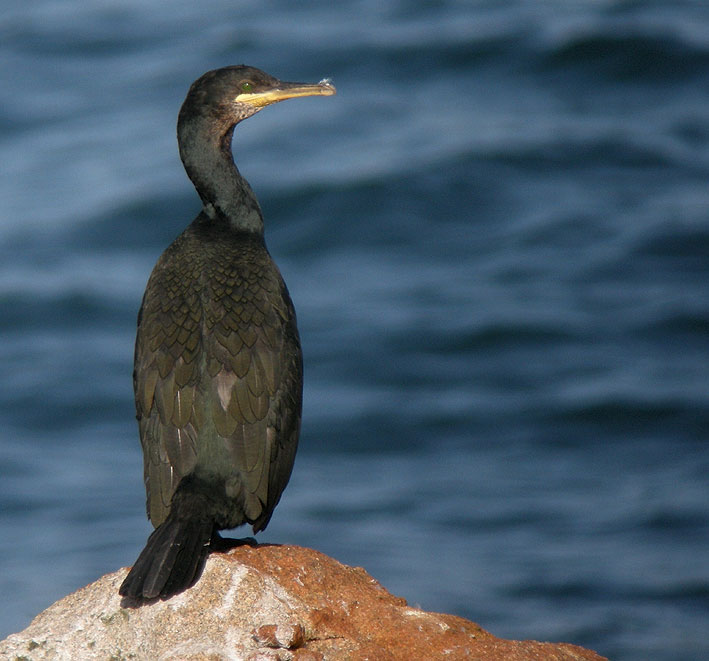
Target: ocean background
[{"x": 496, "y": 236}]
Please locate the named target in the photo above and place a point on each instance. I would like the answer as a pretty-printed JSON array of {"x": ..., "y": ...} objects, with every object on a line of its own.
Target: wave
[{"x": 628, "y": 55}]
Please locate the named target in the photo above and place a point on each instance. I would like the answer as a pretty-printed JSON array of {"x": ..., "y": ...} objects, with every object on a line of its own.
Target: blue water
[{"x": 497, "y": 239}]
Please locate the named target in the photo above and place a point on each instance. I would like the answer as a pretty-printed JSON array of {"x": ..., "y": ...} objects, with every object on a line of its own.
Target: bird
[{"x": 218, "y": 368}]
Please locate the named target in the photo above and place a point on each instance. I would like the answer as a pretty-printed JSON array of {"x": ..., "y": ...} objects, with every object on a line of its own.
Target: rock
[{"x": 275, "y": 603}]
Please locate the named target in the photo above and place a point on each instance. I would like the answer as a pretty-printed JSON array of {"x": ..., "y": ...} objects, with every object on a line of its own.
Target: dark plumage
[{"x": 218, "y": 367}]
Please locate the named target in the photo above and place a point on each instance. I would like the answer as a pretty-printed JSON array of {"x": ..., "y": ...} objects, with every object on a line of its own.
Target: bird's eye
[{"x": 246, "y": 86}]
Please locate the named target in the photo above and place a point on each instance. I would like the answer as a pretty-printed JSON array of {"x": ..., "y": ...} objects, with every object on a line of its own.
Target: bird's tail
[{"x": 173, "y": 557}]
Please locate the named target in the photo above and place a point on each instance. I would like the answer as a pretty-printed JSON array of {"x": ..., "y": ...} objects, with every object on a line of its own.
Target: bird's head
[{"x": 234, "y": 93}]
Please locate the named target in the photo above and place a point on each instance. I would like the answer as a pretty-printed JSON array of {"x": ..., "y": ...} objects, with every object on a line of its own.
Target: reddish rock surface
[
  {"x": 282, "y": 603},
  {"x": 351, "y": 612}
]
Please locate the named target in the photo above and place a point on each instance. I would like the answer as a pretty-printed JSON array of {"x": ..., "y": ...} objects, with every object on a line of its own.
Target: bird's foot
[{"x": 223, "y": 544}]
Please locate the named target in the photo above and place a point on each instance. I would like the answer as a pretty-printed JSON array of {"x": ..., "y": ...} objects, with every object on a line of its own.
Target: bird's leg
[{"x": 223, "y": 544}]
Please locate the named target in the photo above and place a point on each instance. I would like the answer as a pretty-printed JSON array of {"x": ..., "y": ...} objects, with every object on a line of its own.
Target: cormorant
[{"x": 218, "y": 366}]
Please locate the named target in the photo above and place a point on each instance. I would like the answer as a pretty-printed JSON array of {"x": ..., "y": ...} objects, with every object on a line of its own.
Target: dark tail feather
[{"x": 172, "y": 560}]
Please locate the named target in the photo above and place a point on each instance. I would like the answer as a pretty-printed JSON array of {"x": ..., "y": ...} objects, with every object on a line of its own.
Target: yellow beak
[{"x": 286, "y": 91}]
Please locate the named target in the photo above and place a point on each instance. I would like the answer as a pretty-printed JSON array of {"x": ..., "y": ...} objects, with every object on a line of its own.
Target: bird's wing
[
  {"x": 166, "y": 380},
  {"x": 255, "y": 377}
]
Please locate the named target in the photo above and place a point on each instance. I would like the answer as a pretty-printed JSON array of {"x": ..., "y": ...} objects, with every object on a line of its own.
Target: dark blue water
[{"x": 497, "y": 239}]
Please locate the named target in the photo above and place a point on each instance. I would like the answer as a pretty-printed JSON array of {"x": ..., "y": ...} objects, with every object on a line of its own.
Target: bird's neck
[{"x": 226, "y": 195}]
